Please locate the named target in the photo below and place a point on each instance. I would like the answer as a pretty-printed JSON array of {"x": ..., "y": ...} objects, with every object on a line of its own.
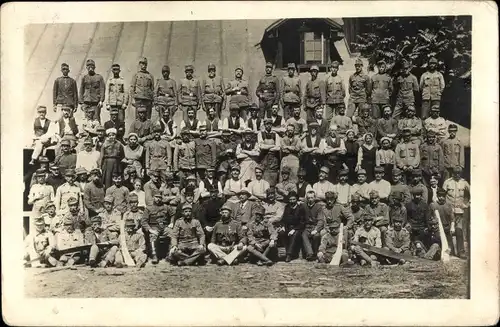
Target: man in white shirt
[
  {"x": 343, "y": 189},
  {"x": 45, "y": 133},
  {"x": 323, "y": 185},
  {"x": 88, "y": 158},
  {"x": 380, "y": 185},
  {"x": 362, "y": 187},
  {"x": 258, "y": 186}
]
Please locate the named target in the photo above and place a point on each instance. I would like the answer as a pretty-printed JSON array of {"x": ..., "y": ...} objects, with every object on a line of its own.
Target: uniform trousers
[
  {"x": 310, "y": 242},
  {"x": 107, "y": 255},
  {"x": 331, "y": 110},
  {"x": 220, "y": 252},
  {"x": 189, "y": 253},
  {"x": 265, "y": 108}
]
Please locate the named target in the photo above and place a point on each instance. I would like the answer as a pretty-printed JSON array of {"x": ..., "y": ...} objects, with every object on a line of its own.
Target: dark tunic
[
  {"x": 369, "y": 161},
  {"x": 111, "y": 156}
]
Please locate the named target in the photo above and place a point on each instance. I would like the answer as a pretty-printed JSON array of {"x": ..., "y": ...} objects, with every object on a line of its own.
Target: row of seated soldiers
[
  {"x": 342, "y": 142},
  {"x": 238, "y": 220}
]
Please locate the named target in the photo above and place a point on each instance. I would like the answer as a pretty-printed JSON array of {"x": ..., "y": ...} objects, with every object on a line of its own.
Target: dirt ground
[{"x": 295, "y": 280}]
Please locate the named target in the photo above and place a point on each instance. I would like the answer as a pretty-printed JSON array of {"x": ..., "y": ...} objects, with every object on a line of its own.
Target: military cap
[
  {"x": 88, "y": 140},
  {"x": 43, "y": 159},
  {"x": 271, "y": 190},
  {"x": 188, "y": 67},
  {"x": 66, "y": 108},
  {"x": 191, "y": 178},
  {"x": 113, "y": 111},
  {"x": 396, "y": 172},
  {"x": 41, "y": 109},
  {"x": 416, "y": 172},
  {"x": 335, "y": 224},
  {"x": 129, "y": 223},
  {"x": 344, "y": 172},
  {"x": 69, "y": 172},
  {"x": 72, "y": 200},
  {"x": 133, "y": 197},
  {"x": 49, "y": 204},
  {"x": 314, "y": 67},
  {"x": 411, "y": 107},
  {"x": 431, "y": 132},
  {"x": 367, "y": 217},
  {"x": 156, "y": 128},
  {"x": 115, "y": 66},
  {"x": 254, "y": 107},
  {"x": 417, "y": 191},
  {"x": 65, "y": 142},
  {"x": 452, "y": 127},
  {"x": 81, "y": 170},
  {"x": 441, "y": 192},
  {"x": 245, "y": 190},
  {"x": 285, "y": 170},
  {"x": 64, "y": 65},
  {"x": 141, "y": 108},
  {"x": 259, "y": 210},
  {"x": 39, "y": 221},
  {"x": 211, "y": 66},
  {"x": 331, "y": 195},
  {"x": 116, "y": 174},
  {"x": 239, "y": 68},
  {"x": 53, "y": 165},
  {"x": 397, "y": 195},
  {"x": 365, "y": 107},
  {"x": 406, "y": 131},
  {"x": 387, "y": 106},
  {"x": 226, "y": 208},
  {"x": 361, "y": 172},
  {"x": 433, "y": 61},
  {"x": 108, "y": 198},
  {"x": 268, "y": 64},
  {"x": 233, "y": 106},
  {"x": 143, "y": 60},
  {"x": 165, "y": 68},
  {"x": 358, "y": 62},
  {"x": 435, "y": 107},
  {"x": 90, "y": 62},
  {"x": 355, "y": 197},
  {"x": 374, "y": 194},
  {"x": 313, "y": 124},
  {"x": 457, "y": 169},
  {"x": 406, "y": 64},
  {"x": 435, "y": 173},
  {"x": 379, "y": 169},
  {"x": 187, "y": 206},
  {"x": 226, "y": 132},
  {"x": 95, "y": 171},
  {"x": 397, "y": 219},
  {"x": 259, "y": 167},
  {"x": 381, "y": 62},
  {"x": 291, "y": 65},
  {"x": 40, "y": 172},
  {"x": 385, "y": 138},
  {"x": 236, "y": 167},
  {"x": 248, "y": 130},
  {"x": 334, "y": 64},
  {"x": 96, "y": 219},
  {"x": 100, "y": 128},
  {"x": 301, "y": 172},
  {"x": 325, "y": 169}
]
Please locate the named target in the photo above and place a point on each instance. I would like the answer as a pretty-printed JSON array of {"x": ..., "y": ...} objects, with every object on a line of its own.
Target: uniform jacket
[
  {"x": 366, "y": 125},
  {"x": 141, "y": 128},
  {"x": 120, "y": 197},
  {"x": 432, "y": 85},
  {"x": 212, "y": 89},
  {"x": 187, "y": 233},
  {"x": 407, "y": 154},
  {"x": 342, "y": 124},
  {"x": 431, "y": 156},
  {"x": 65, "y": 240},
  {"x": 142, "y": 86},
  {"x": 268, "y": 89},
  {"x": 65, "y": 161},
  {"x": 93, "y": 197},
  {"x": 407, "y": 86},
  {"x": 413, "y": 124},
  {"x": 65, "y": 92},
  {"x": 92, "y": 89},
  {"x": 155, "y": 216},
  {"x": 398, "y": 212},
  {"x": 380, "y": 214},
  {"x": 453, "y": 153},
  {"x": 458, "y": 193},
  {"x": 135, "y": 242},
  {"x": 227, "y": 233},
  {"x": 371, "y": 237},
  {"x": 315, "y": 93},
  {"x": 337, "y": 213},
  {"x": 261, "y": 232},
  {"x": 314, "y": 220},
  {"x": 116, "y": 92},
  {"x": 386, "y": 126},
  {"x": 80, "y": 221},
  {"x": 438, "y": 124},
  {"x": 382, "y": 88},
  {"x": 91, "y": 237},
  {"x": 418, "y": 214},
  {"x": 360, "y": 87},
  {"x": 240, "y": 97},
  {"x": 158, "y": 155},
  {"x": 189, "y": 92},
  {"x": 205, "y": 153},
  {"x": 291, "y": 89},
  {"x": 397, "y": 239},
  {"x": 425, "y": 192},
  {"x": 184, "y": 156},
  {"x": 166, "y": 88},
  {"x": 335, "y": 89},
  {"x": 294, "y": 218},
  {"x": 401, "y": 188}
]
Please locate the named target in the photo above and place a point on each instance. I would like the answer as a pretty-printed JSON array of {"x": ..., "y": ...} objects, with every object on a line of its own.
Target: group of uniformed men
[{"x": 245, "y": 186}]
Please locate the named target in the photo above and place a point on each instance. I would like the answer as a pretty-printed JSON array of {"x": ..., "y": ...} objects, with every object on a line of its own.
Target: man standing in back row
[
  {"x": 212, "y": 89},
  {"x": 315, "y": 94},
  {"x": 267, "y": 92},
  {"x": 65, "y": 92},
  {"x": 92, "y": 90},
  {"x": 141, "y": 88},
  {"x": 291, "y": 92},
  {"x": 189, "y": 93},
  {"x": 360, "y": 89}
]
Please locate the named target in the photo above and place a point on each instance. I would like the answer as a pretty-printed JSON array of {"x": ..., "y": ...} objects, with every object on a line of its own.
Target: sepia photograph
[{"x": 278, "y": 157}]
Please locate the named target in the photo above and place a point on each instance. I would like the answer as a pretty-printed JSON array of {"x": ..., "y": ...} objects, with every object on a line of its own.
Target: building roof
[{"x": 336, "y": 23}]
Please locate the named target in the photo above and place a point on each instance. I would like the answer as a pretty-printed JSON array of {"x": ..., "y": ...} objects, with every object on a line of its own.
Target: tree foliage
[{"x": 417, "y": 39}]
